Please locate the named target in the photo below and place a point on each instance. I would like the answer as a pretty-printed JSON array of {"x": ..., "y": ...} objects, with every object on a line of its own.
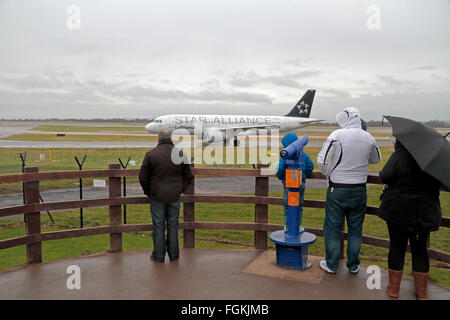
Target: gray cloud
[
  {"x": 287, "y": 79},
  {"x": 420, "y": 106},
  {"x": 386, "y": 80},
  {"x": 296, "y": 62},
  {"x": 63, "y": 85},
  {"x": 140, "y": 94},
  {"x": 155, "y": 57},
  {"x": 332, "y": 94},
  {"x": 428, "y": 67}
]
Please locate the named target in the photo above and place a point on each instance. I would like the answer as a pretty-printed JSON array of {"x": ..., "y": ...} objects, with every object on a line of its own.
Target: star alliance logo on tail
[{"x": 303, "y": 108}]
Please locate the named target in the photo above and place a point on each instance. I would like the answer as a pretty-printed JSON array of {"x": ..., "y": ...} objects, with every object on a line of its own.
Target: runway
[
  {"x": 11, "y": 128},
  {"x": 119, "y": 144}
]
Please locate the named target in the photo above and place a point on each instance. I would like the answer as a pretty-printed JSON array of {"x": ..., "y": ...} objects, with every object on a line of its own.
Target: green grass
[
  {"x": 63, "y": 159},
  {"x": 80, "y": 128}
]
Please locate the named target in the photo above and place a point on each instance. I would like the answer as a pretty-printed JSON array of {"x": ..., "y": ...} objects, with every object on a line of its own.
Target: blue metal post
[
  {"x": 292, "y": 247},
  {"x": 293, "y": 217}
]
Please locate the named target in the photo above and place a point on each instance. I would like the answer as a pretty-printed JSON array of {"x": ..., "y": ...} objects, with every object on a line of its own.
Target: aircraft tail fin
[{"x": 303, "y": 107}]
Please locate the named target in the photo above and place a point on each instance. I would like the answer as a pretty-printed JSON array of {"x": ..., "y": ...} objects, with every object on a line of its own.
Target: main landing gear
[{"x": 236, "y": 142}]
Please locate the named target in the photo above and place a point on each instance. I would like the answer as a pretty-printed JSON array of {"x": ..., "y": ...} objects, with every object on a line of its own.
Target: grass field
[{"x": 80, "y": 128}]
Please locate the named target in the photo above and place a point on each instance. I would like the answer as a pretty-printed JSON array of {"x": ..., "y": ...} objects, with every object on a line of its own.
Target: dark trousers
[
  {"x": 162, "y": 212},
  {"x": 344, "y": 203},
  {"x": 399, "y": 241}
]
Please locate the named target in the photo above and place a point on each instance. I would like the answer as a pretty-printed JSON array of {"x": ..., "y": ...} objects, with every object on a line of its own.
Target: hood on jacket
[
  {"x": 349, "y": 118},
  {"x": 363, "y": 125},
  {"x": 288, "y": 139}
]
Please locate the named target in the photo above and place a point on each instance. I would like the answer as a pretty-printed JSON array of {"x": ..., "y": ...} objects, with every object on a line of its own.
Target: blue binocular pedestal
[
  {"x": 292, "y": 246},
  {"x": 292, "y": 252}
]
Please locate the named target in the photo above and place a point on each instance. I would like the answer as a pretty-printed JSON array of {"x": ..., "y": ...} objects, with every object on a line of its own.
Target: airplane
[{"x": 230, "y": 126}]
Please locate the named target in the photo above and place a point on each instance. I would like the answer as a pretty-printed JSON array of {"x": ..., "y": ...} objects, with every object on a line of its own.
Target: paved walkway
[{"x": 205, "y": 274}]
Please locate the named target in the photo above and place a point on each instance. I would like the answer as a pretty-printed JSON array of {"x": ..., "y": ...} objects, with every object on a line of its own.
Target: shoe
[
  {"x": 285, "y": 228},
  {"x": 308, "y": 265},
  {"x": 421, "y": 285},
  {"x": 324, "y": 267},
  {"x": 301, "y": 229},
  {"x": 393, "y": 287},
  {"x": 354, "y": 271},
  {"x": 155, "y": 260}
]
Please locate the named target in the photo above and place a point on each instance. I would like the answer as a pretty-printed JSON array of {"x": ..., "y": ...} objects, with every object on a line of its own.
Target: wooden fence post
[
  {"x": 189, "y": 216},
  {"x": 115, "y": 212},
  {"x": 261, "y": 210},
  {"x": 33, "y": 219}
]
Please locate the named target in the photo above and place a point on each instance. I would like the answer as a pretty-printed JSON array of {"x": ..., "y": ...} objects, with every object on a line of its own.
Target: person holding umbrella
[{"x": 410, "y": 204}]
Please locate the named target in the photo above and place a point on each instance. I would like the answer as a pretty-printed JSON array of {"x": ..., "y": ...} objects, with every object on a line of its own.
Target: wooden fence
[{"x": 32, "y": 208}]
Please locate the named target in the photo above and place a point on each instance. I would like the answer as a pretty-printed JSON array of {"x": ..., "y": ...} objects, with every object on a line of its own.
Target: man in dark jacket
[
  {"x": 410, "y": 205},
  {"x": 163, "y": 180}
]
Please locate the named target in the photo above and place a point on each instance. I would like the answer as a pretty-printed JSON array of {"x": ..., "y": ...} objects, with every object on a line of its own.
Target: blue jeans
[
  {"x": 300, "y": 206},
  {"x": 341, "y": 203},
  {"x": 162, "y": 212}
]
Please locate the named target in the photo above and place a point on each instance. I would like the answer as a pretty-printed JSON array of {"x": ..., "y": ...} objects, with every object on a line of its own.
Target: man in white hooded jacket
[{"x": 344, "y": 159}]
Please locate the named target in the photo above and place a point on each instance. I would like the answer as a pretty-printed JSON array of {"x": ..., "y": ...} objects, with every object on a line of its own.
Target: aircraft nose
[{"x": 148, "y": 127}]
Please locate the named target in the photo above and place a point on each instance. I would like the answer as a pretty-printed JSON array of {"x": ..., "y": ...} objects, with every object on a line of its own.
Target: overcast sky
[{"x": 141, "y": 59}]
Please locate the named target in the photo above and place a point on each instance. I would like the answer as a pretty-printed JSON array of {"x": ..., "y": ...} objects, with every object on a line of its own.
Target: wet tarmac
[
  {"x": 199, "y": 274},
  {"x": 10, "y": 128}
]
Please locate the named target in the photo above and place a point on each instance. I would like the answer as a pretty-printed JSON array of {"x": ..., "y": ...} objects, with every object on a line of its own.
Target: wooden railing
[{"x": 32, "y": 208}]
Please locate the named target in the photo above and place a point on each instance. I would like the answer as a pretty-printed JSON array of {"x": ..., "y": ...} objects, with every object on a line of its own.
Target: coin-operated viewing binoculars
[{"x": 292, "y": 246}]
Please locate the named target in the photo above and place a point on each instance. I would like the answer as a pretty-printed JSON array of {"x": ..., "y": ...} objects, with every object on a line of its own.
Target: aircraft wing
[{"x": 310, "y": 121}]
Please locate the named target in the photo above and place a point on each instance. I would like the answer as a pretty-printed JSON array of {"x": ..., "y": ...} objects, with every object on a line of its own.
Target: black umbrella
[{"x": 428, "y": 147}]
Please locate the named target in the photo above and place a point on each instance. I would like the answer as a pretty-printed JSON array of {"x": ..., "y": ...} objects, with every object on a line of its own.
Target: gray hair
[{"x": 165, "y": 135}]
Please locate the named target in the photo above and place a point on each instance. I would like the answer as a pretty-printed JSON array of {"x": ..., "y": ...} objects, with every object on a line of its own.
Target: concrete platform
[{"x": 205, "y": 274}]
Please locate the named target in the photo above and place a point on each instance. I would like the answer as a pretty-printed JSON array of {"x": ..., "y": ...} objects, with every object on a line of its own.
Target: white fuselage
[{"x": 231, "y": 124}]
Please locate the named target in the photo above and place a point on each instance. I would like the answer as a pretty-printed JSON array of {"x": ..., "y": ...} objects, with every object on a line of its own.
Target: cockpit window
[{"x": 157, "y": 121}]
